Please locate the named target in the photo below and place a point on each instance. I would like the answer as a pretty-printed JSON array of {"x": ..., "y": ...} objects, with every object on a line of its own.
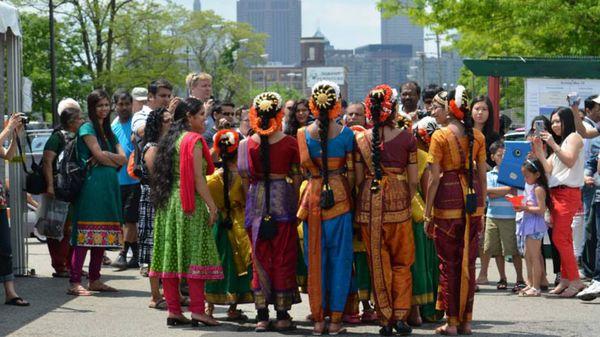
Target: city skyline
[{"x": 362, "y": 16}]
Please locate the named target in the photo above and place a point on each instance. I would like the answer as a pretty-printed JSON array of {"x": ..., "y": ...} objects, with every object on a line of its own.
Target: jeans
[
  {"x": 596, "y": 275},
  {"x": 6, "y": 268},
  {"x": 588, "y": 256}
]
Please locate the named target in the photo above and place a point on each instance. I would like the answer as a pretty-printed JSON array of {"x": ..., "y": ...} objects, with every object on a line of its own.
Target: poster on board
[{"x": 543, "y": 95}]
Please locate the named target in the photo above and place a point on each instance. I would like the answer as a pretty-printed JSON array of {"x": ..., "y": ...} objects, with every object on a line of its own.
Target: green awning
[{"x": 554, "y": 67}]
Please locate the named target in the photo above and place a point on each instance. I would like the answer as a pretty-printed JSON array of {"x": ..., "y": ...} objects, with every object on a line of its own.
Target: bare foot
[{"x": 447, "y": 330}]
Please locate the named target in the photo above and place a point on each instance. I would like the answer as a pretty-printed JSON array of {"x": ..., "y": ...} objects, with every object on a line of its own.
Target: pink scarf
[{"x": 187, "y": 188}]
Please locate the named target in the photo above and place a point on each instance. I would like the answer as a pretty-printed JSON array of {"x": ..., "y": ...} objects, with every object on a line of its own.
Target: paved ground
[{"x": 53, "y": 313}]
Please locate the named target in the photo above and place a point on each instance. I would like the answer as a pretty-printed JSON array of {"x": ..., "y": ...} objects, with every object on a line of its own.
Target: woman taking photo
[
  {"x": 184, "y": 213},
  {"x": 10, "y": 132},
  {"x": 157, "y": 125},
  {"x": 388, "y": 161},
  {"x": 326, "y": 150},
  {"x": 265, "y": 161},
  {"x": 96, "y": 221},
  {"x": 70, "y": 121},
  {"x": 565, "y": 181},
  {"x": 233, "y": 244},
  {"x": 458, "y": 210}
]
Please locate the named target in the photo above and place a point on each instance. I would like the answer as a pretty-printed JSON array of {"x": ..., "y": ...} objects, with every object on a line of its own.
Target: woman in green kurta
[
  {"x": 185, "y": 211},
  {"x": 97, "y": 215}
]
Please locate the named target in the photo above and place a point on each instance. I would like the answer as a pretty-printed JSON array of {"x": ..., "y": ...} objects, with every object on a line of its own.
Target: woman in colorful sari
[
  {"x": 326, "y": 150},
  {"x": 454, "y": 206},
  {"x": 225, "y": 186},
  {"x": 184, "y": 213},
  {"x": 425, "y": 270},
  {"x": 265, "y": 162},
  {"x": 96, "y": 221},
  {"x": 387, "y": 176}
]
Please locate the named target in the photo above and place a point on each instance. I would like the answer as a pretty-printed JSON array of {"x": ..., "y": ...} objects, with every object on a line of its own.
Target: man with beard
[{"x": 409, "y": 97}]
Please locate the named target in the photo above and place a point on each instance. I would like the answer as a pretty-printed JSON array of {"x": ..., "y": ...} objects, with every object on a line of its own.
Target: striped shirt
[{"x": 498, "y": 208}]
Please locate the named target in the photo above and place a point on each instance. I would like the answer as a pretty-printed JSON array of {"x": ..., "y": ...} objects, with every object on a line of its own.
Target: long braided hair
[
  {"x": 459, "y": 108},
  {"x": 265, "y": 116},
  {"x": 381, "y": 106},
  {"x": 225, "y": 145},
  {"x": 325, "y": 102}
]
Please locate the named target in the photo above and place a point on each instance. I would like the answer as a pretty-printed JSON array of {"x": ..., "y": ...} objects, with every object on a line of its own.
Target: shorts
[
  {"x": 500, "y": 237},
  {"x": 536, "y": 236},
  {"x": 130, "y": 197}
]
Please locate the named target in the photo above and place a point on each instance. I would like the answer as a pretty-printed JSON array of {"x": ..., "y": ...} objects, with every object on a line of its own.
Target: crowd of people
[{"x": 377, "y": 203}]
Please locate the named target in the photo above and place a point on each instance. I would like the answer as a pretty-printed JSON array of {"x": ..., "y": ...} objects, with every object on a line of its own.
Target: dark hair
[
  {"x": 121, "y": 94},
  {"x": 67, "y": 116},
  {"x": 488, "y": 127},
  {"x": 157, "y": 84},
  {"x": 413, "y": 83},
  {"x": 535, "y": 166},
  {"x": 292, "y": 125},
  {"x": 566, "y": 120},
  {"x": 495, "y": 146},
  {"x": 216, "y": 107},
  {"x": 468, "y": 125},
  {"x": 376, "y": 107},
  {"x": 226, "y": 157},
  {"x": 153, "y": 127},
  {"x": 103, "y": 132},
  {"x": 161, "y": 181},
  {"x": 547, "y": 124},
  {"x": 431, "y": 90},
  {"x": 589, "y": 102},
  {"x": 228, "y": 104}
]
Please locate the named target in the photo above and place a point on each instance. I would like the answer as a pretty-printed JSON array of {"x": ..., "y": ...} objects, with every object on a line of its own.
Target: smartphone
[
  {"x": 539, "y": 127},
  {"x": 573, "y": 98}
]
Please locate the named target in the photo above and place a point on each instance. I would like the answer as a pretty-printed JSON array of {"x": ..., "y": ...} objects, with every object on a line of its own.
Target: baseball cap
[
  {"x": 139, "y": 94},
  {"x": 597, "y": 99}
]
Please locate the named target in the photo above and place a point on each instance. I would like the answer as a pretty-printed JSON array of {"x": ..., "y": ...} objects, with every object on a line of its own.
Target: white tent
[{"x": 11, "y": 77}]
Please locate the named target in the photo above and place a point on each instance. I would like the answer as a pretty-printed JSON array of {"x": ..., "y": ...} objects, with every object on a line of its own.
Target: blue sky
[{"x": 346, "y": 23}]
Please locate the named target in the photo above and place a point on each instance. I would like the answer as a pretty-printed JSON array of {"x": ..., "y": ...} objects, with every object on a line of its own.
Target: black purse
[
  {"x": 471, "y": 196},
  {"x": 35, "y": 182}
]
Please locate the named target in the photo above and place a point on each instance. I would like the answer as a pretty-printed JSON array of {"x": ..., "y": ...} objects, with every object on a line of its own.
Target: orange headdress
[
  {"x": 226, "y": 139},
  {"x": 266, "y": 105},
  {"x": 325, "y": 95},
  {"x": 388, "y": 98}
]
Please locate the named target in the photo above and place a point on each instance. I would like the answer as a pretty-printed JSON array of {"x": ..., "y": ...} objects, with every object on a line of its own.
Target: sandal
[
  {"x": 531, "y": 292},
  {"x": 78, "y": 291},
  {"x": 443, "y": 330},
  {"x": 101, "y": 287},
  {"x": 501, "y": 285},
  {"x": 17, "y": 301},
  {"x": 235, "y": 315},
  {"x": 61, "y": 274},
  {"x": 340, "y": 331},
  {"x": 520, "y": 285},
  {"x": 570, "y": 292},
  {"x": 319, "y": 328},
  {"x": 284, "y": 325},
  {"x": 161, "y": 304},
  {"x": 261, "y": 326}
]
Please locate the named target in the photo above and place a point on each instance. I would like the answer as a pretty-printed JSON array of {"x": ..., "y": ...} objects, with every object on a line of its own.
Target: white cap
[
  {"x": 597, "y": 100},
  {"x": 67, "y": 103},
  {"x": 139, "y": 94}
]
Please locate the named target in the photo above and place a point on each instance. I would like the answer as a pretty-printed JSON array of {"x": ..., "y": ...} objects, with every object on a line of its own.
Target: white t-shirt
[
  {"x": 562, "y": 174},
  {"x": 139, "y": 119}
]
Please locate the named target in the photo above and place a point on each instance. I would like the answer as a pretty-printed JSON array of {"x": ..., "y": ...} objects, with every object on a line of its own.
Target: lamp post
[{"x": 52, "y": 66}]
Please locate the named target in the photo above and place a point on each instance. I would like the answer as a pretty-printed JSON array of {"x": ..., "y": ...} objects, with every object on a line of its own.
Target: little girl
[{"x": 532, "y": 227}]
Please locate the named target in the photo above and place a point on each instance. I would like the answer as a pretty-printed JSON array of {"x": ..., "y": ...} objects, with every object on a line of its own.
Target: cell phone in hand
[
  {"x": 573, "y": 98},
  {"x": 539, "y": 127}
]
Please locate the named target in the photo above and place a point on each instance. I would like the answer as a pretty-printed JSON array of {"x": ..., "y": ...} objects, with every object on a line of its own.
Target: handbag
[
  {"x": 35, "y": 182},
  {"x": 52, "y": 215}
]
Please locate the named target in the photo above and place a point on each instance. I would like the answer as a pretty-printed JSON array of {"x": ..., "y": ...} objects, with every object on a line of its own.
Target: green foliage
[
  {"x": 509, "y": 28},
  {"x": 286, "y": 93},
  {"x": 71, "y": 81}
]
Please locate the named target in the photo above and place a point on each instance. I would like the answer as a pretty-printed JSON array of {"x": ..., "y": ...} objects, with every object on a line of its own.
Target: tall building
[
  {"x": 399, "y": 30},
  {"x": 197, "y": 6},
  {"x": 281, "y": 20}
]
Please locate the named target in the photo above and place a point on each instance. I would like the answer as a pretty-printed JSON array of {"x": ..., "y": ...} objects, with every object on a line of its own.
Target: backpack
[
  {"x": 70, "y": 174},
  {"x": 134, "y": 165}
]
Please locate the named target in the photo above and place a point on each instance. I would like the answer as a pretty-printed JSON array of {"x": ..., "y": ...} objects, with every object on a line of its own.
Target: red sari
[{"x": 456, "y": 233}]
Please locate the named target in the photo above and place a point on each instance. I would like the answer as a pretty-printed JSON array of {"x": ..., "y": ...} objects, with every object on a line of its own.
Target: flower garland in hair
[
  {"x": 227, "y": 137},
  {"x": 457, "y": 102},
  {"x": 267, "y": 104},
  {"x": 403, "y": 121},
  {"x": 388, "y": 98},
  {"x": 326, "y": 95},
  {"x": 425, "y": 128}
]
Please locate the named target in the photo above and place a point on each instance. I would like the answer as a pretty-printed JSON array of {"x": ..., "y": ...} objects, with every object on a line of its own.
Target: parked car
[{"x": 514, "y": 135}]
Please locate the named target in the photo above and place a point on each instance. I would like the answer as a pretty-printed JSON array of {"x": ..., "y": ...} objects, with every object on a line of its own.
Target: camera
[{"x": 24, "y": 119}]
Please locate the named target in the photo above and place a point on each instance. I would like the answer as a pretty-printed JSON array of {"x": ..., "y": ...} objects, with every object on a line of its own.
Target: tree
[
  {"x": 71, "y": 81},
  {"x": 224, "y": 49},
  {"x": 509, "y": 28},
  {"x": 287, "y": 93}
]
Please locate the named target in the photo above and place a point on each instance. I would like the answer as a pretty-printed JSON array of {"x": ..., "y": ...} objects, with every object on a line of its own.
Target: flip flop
[
  {"x": 570, "y": 292},
  {"x": 161, "y": 304},
  {"x": 79, "y": 291},
  {"x": 61, "y": 274},
  {"x": 103, "y": 288},
  {"x": 501, "y": 285},
  {"x": 17, "y": 301}
]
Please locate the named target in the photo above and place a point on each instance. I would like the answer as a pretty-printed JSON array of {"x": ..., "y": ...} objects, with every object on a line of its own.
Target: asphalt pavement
[{"x": 126, "y": 313}]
